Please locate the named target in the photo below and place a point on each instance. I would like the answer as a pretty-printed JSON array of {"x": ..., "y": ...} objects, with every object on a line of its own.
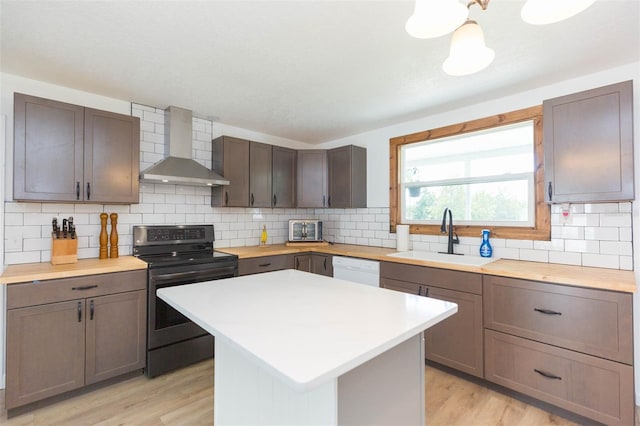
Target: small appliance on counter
[{"x": 305, "y": 230}]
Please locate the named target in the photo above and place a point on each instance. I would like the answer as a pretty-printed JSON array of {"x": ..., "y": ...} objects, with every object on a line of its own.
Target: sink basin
[{"x": 444, "y": 258}]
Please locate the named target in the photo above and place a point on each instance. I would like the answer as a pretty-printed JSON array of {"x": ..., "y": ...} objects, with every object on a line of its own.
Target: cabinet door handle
[
  {"x": 79, "y": 311},
  {"x": 547, "y": 311},
  {"x": 226, "y": 197},
  {"x": 419, "y": 291},
  {"x": 252, "y": 199},
  {"x": 329, "y": 201},
  {"x": 323, "y": 200},
  {"x": 426, "y": 292},
  {"x": 77, "y": 190},
  {"x": 325, "y": 263},
  {"x": 297, "y": 263},
  {"x": 88, "y": 191},
  {"x": 275, "y": 200},
  {"x": 85, "y": 287},
  {"x": 262, "y": 265},
  {"x": 91, "y": 310},
  {"x": 547, "y": 375},
  {"x": 550, "y": 191}
]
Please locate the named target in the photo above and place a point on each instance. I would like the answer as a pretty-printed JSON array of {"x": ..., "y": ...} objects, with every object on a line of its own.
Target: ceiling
[{"x": 310, "y": 71}]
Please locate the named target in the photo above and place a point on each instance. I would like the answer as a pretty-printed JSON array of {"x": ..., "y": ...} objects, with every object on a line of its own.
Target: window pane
[{"x": 508, "y": 149}]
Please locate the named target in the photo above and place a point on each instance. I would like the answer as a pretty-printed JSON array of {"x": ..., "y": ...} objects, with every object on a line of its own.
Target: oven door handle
[{"x": 204, "y": 274}]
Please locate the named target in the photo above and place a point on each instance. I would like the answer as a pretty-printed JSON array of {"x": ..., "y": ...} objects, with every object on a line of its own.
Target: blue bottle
[{"x": 485, "y": 248}]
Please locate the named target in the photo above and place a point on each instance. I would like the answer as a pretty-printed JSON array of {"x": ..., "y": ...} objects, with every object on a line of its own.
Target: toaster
[{"x": 305, "y": 230}]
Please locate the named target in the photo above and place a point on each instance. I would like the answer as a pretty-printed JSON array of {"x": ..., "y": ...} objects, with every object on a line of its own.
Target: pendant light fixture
[{"x": 468, "y": 53}]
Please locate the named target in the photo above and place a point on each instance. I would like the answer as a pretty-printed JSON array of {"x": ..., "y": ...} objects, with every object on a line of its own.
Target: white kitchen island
[{"x": 294, "y": 348}]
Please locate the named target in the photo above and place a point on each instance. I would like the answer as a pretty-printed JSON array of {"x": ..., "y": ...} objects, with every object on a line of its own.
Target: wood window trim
[{"x": 542, "y": 228}]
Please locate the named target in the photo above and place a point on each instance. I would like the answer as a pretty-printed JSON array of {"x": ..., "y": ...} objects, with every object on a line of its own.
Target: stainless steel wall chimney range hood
[{"x": 179, "y": 167}]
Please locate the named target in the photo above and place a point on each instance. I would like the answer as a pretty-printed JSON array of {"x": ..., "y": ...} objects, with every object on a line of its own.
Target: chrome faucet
[{"x": 453, "y": 237}]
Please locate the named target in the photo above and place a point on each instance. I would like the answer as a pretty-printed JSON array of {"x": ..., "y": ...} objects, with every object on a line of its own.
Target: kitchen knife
[
  {"x": 54, "y": 225},
  {"x": 64, "y": 228},
  {"x": 72, "y": 228}
]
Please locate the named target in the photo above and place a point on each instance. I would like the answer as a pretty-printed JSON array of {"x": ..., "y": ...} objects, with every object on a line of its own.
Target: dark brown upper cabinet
[
  {"x": 231, "y": 159},
  {"x": 284, "y": 177},
  {"x": 260, "y": 175},
  {"x": 65, "y": 152},
  {"x": 312, "y": 178},
  {"x": 588, "y": 145},
  {"x": 347, "y": 177}
]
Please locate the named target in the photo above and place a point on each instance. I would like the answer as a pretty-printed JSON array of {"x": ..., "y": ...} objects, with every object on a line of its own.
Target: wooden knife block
[{"x": 63, "y": 250}]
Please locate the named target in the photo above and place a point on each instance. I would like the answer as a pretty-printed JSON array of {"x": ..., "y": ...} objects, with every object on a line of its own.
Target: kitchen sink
[{"x": 444, "y": 258}]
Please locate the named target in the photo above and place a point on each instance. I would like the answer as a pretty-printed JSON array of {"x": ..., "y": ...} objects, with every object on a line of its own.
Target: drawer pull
[
  {"x": 547, "y": 311},
  {"x": 85, "y": 287},
  {"x": 262, "y": 265},
  {"x": 547, "y": 375}
]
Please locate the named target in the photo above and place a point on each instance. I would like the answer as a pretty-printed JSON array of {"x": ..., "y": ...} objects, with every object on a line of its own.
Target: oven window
[{"x": 166, "y": 316}]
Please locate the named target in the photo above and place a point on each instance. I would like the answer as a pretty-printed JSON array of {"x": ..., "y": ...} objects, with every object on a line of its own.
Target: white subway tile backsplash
[
  {"x": 626, "y": 263},
  {"x": 582, "y": 246},
  {"x": 534, "y": 255},
  {"x": 601, "y": 208},
  {"x": 620, "y": 248},
  {"x": 615, "y": 219},
  {"x": 601, "y": 233},
  {"x": 626, "y": 234},
  {"x": 565, "y": 258},
  {"x": 601, "y": 260},
  {"x": 14, "y": 258},
  {"x": 568, "y": 232},
  {"x": 625, "y": 207},
  {"x": 521, "y": 244}
]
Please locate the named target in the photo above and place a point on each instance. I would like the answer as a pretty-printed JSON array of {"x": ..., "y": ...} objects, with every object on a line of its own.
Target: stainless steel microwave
[{"x": 305, "y": 230}]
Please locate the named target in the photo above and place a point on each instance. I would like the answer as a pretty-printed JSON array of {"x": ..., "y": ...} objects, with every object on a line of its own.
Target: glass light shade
[
  {"x": 435, "y": 18},
  {"x": 468, "y": 53},
  {"x": 540, "y": 12}
]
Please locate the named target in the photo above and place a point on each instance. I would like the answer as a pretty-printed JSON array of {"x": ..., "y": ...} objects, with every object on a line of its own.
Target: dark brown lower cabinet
[
  {"x": 256, "y": 265},
  {"x": 315, "y": 263},
  {"x": 566, "y": 345},
  {"x": 457, "y": 341},
  {"x": 590, "y": 386},
  {"x": 58, "y": 340}
]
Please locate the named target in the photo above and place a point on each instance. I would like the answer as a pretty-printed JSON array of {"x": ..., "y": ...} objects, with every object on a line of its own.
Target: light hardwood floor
[{"x": 185, "y": 397}]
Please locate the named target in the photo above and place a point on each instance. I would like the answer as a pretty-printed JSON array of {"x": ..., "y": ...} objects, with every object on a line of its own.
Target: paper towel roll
[{"x": 402, "y": 237}]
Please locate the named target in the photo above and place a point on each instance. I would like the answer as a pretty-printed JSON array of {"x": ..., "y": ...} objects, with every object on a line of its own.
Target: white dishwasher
[{"x": 357, "y": 270}]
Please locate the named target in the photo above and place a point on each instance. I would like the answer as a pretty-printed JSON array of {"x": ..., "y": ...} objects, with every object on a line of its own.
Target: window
[{"x": 488, "y": 172}]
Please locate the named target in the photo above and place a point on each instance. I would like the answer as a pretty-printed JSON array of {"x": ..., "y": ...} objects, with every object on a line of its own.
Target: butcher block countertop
[
  {"x": 46, "y": 271},
  {"x": 599, "y": 278}
]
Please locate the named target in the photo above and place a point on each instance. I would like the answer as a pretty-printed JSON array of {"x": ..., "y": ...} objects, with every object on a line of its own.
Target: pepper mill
[
  {"x": 114, "y": 236},
  {"x": 103, "y": 236}
]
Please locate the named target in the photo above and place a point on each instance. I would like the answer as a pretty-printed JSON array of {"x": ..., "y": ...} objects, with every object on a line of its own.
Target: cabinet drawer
[
  {"x": 443, "y": 278},
  {"x": 594, "y": 322},
  {"x": 403, "y": 286},
  {"x": 257, "y": 265},
  {"x": 592, "y": 387},
  {"x": 58, "y": 290}
]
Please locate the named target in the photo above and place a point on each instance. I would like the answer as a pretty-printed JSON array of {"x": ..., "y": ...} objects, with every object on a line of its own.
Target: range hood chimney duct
[{"x": 179, "y": 167}]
